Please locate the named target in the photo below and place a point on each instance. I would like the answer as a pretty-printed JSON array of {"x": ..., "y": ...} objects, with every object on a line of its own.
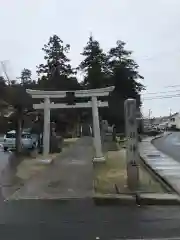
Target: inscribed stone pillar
[{"x": 132, "y": 155}]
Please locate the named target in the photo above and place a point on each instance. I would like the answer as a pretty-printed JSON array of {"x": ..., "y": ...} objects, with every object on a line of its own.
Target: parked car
[
  {"x": 152, "y": 132},
  {"x": 28, "y": 140}
]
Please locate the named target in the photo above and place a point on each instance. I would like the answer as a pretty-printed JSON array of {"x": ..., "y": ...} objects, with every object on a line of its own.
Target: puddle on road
[
  {"x": 75, "y": 162},
  {"x": 165, "y": 163},
  {"x": 153, "y": 155},
  {"x": 167, "y": 168},
  {"x": 54, "y": 184}
]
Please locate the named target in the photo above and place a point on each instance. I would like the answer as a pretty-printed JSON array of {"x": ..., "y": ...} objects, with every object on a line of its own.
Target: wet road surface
[
  {"x": 81, "y": 219},
  {"x": 70, "y": 175},
  {"x": 8, "y": 167},
  {"x": 169, "y": 145},
  {"x": 4, "y": 156}
]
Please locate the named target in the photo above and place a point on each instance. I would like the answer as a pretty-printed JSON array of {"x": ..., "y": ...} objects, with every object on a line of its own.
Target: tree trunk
[{"x": 114, "y": 134}]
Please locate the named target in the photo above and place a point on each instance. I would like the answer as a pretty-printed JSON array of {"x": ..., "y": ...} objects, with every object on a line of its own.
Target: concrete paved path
[
  {"x": 70, "y": 175},
  {"x": 163, "y": 165}
]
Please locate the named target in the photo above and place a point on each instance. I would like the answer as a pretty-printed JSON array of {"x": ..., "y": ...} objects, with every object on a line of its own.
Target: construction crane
[{"x": 3, "y": 65}]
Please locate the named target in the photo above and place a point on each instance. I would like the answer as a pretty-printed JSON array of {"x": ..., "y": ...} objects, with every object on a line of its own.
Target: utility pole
[
  {"x": 149, "y": 116},
  {"x": 170, "y": 112},
  {"x": 5, "y": 72}
]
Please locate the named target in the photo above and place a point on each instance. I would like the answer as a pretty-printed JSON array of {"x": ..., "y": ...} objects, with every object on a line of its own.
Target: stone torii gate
[{"x": 94, "y": 104}]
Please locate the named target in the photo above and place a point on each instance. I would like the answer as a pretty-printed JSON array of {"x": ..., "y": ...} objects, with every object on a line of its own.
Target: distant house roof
[{"x": 173, "y": 115}]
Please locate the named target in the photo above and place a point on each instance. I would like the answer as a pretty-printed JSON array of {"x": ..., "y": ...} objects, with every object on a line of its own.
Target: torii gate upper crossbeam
[{"x": 47, "y": 105}]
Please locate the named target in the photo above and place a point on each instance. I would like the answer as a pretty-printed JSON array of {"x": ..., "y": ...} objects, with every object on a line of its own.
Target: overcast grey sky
[{"x": 150, "y": 28}]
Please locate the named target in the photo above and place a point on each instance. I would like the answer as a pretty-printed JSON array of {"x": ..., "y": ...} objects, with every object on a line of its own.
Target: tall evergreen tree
[
  {"x": 26, "y": 76},
  {"x": 3, "y": 88},
  {"x": 3, "y": 95},
  {"x": 94, "y": 64},
  {"x": 57, "y": 74},
  {"x": 124, "y": 71},
  {"x": 57, "y": 69},
  {"x": 124, "y": 75}
]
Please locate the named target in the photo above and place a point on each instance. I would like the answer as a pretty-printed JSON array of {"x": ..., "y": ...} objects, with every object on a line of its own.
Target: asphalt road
[
  {"x": 4, "y": 156},
  {"x": 81, "y": 219},
  {"x": 170, "y": 145}
]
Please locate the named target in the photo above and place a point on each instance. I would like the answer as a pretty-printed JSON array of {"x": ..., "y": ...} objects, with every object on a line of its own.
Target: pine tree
[
  {"x": 25, "y": 77},
  {"x": 57, "y": 69},
  {"x": 123, "y": 72},
  {"x": 94, "y": 64}
]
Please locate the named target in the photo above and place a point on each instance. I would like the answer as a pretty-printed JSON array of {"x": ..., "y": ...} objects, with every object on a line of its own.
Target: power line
[
  {"x": 172, "y": 86},
  {"x": 161, "y": 97},
  {"x": 154, "y": 93},
  {"x": 5, "y": 71},
  {"x": 161, "y": 55}
]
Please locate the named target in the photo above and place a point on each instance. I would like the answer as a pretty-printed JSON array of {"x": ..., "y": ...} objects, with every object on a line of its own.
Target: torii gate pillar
[
  {"x": 94, "y": 104},
  {"x": 96, "y": 130},
  {"x": 46, "y": 133}
]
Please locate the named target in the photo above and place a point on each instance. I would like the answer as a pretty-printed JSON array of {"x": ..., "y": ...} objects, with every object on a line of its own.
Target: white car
[{"x": 27, "y": 140}]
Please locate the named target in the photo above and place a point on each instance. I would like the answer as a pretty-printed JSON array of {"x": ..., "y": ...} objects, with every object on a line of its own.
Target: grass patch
[{"x": 113, "y": 172}]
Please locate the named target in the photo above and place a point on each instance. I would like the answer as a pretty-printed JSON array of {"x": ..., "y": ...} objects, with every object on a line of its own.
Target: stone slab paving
[
  {"x": 165, "y": 166},
  {"x": 69, "y": 176}
]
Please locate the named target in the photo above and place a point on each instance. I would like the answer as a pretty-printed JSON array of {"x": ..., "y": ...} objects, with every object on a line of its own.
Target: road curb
[
  {"x": 159, "y": 199},
  {"x": 113, "y": 199},
  {"x": 162, "y": 179},
  {"x": 161, "y": 135},
  {"x": 140, "y": 199},
  {"x": 166, "y": 185}
]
